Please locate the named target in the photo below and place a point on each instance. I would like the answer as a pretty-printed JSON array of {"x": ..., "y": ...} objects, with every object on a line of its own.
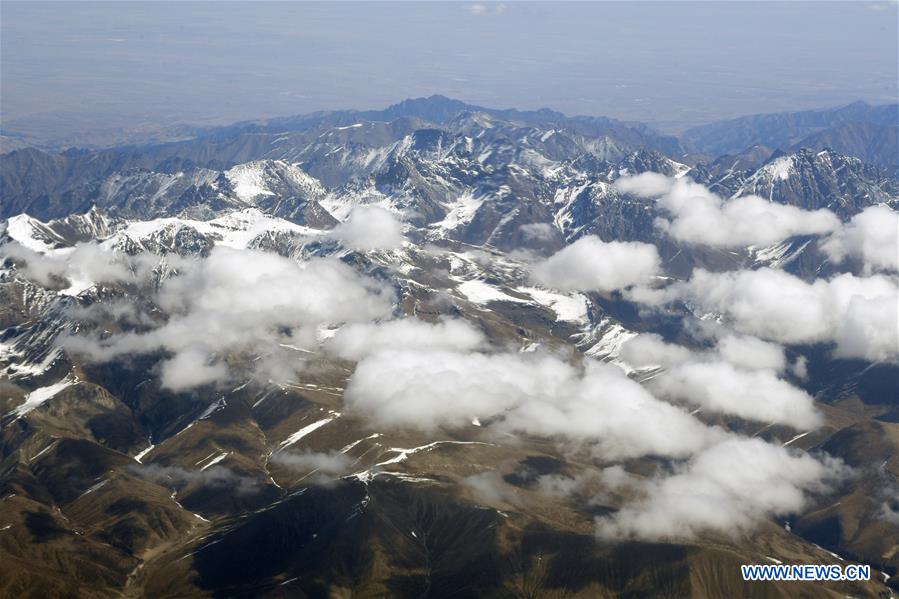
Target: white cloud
[
  {"x": 430, "y": 389},
  {"x": 485, "y": 9},
  {"x": 889, "y": 508},
  {"x": 590, "y": 264},
  {"x": 216, "y": 477},
  {"x": 740, "y": 350},
  {"x": 799, "y": 368},
  {"x": 189, "y": 368},
  {"x": 245, "y": 301},
  {"x": 539, "y": 231},
  {"x": 752, "y": 353},
  {"x": 370, "y": 228},
  {"x": 751, "y": 394},
  {"x": 739, "y": 377},
  {"x": 490, "y": 487},
  {"x": 521, "y": 393},
  {"x": 872, "y": 236},
  {"x": 698, "y": 216},
  {"x": 645, "y": 185},
  {"x": 727, "y": 488},
  {"x": 648, "y": 350},
  {"x": 857, "y": 313},
  {"x": 593, "y": 485},
  {"x": 701, "y": 217},
  {"x": 880, "y": 6},
  {"x": 124, "y": 311},
  {"x": 355, "y": 341},
  {"x": 75, "y": 269},
  {"x": 310, "y": 461}
]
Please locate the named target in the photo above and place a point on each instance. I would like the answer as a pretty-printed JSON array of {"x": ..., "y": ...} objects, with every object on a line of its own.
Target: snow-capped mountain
[
  {"x": 189, "y": 334},
  {"x": 811, "y": 180}
]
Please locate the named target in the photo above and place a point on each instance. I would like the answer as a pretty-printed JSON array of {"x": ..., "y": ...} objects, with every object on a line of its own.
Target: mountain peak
[
  {"x": 857, "y": 104},
  {"x": 435, "y": 108},
  {"x": 441, "y": 109}
]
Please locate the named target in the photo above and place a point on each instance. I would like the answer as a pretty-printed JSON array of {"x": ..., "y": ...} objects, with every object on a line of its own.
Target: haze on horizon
[{"x": 672, "y": 64}]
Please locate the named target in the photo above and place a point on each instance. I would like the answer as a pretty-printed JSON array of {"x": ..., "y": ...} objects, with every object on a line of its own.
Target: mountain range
[{"x": 444, "y": 350}]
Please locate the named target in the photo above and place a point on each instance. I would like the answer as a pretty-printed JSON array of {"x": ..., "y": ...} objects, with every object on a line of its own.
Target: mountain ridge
[{"x": 785, "y": 129}]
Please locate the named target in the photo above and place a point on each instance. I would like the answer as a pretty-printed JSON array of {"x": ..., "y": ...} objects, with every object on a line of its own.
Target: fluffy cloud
[
  {"x": 889, "y": 508},
  {"x": 79, "y": 267},
  {"x": 649, "y": 350},
  {"x": 590, "y": 264},
  {"x": 355, "y": 341},
  {"x": 857, "y": 313},
  {"x": 370, "y": 228},
  {"x": 485, "y": 9},
  {"x": 216, "y": 477},
  {"x": 191, "y": 367},
  {"x": 752, "y": 353},
  {"x": 727, "y": 488},
  {"x": 539, "y": 231},
  {"x": 698, "y": 216},
  {"x": 702, "y": 217},
  {"x": 645, "y": 185},
  {"x": 309, "y": 461},
  {"x": 125, "y": 311},
  {"x": 755, "y": 395},
  {"x": 490, "y": 487},
  {"x": 591, "y": 484},
  {"x": 244, "y": 301},
  {"x": 740, "y": 350},
  {"x": 738, "y": 378},
  {"x": 872, "y": 236},
  {"x": 519, "y": 393}
]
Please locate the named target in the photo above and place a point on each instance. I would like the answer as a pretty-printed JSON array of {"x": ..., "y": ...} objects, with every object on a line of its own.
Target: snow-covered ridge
[
  {"x": 235, "y": 230},
  {"x": 258, "y": 178},
  {"x": 28, "y": 231},
  {"x": 778, "y": 255}
]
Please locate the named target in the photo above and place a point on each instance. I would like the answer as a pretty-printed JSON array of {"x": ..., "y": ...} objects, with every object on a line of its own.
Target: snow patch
[
  {"x": 22, "y": 228},
  {"x": 781, "y": 168},
  {"x": 459, "y": 213},
  {"x": 41, "y": 395},
  {"x": 568, "y": 308},
  {"x": 255, "y": 179},
  {"x": 480, "y": 292},
  {"x": 94, "y": 487},
  {"x": 777, "y": 255},
  {"x": 796, "y": 438},
  {"x": 216, "y": 460},
  {"x": 610, "y": 342},
  {"x": 402, "y": 455},
  {"x": 235, "y": 230},
  {"x": 212, "y": 409},
  {"x": 306, "y": 430},
  {"x": 143, "y": 453}
]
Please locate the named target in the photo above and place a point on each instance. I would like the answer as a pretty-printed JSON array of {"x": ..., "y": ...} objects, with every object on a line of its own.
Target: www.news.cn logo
[{"x": 833, "y": 572}]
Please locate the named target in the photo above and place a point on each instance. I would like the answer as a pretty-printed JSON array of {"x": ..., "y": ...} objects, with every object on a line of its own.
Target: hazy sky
[{"x": 652, "y": 61}]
